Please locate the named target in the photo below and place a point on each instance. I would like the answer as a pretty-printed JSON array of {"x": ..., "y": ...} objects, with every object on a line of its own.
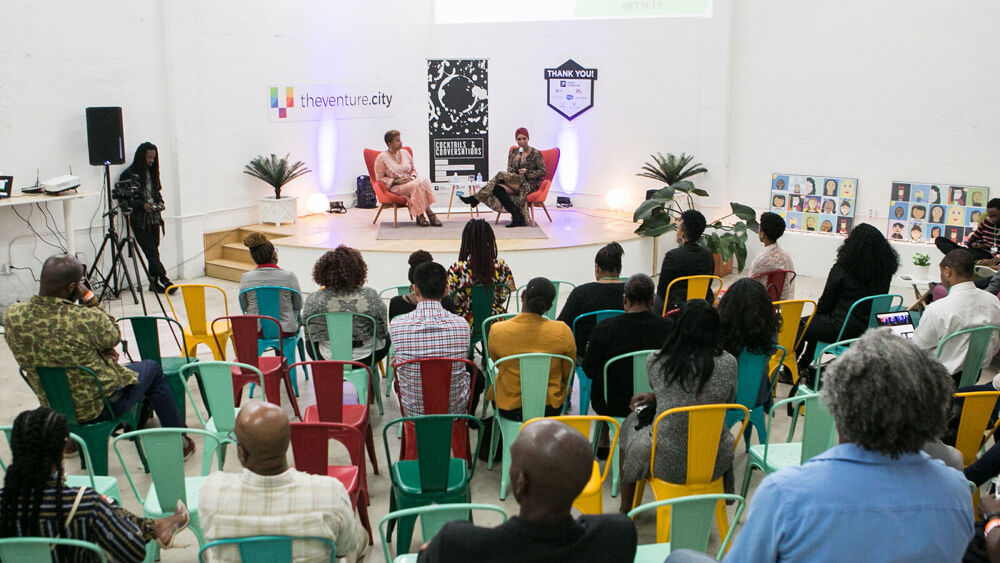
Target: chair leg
[
  {"x": 289, "y": 384},
  {"x": 363, "y": 516},
  {"x": 497, "y": 222},
  {"x": 395, "y": 216},
  {"x": 546, "y": 210},
  {"x": 370, "y": 446},
  {"x": 746, "y": 479},
  {"x": 381, "y": 207}
]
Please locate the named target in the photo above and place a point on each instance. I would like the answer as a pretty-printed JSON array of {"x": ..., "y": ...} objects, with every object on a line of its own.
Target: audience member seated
[
  {"x": 691, "y": 369},
  {"x": 35, "y": 501},
  {"x": 605, "y": 293},
  {"x": 53, "y": 330},
  {"x": 430, "y": 332},
  {"x": 402, "y": 304},
  {"x": 267, "y": 273},
  {"x": 394, "y": 168},
  {"x": 864, "y": 267},
  {"x": 750, "y": 322},
  {"x": 550, "y": 464},
  {"x": 982, "y": 243},
  {"x": 341, "y": 274},
  {"x": 478, "y": 264},
  {"x": 966, "y": 306},
  {"x": 270, "y": 498},
  {"x": 688, "y": 259},
  {"x": 876, "y": 496},
  {"x": 530, "y": 332},
  {"x": 773, "y": 257},
  {"x": 508, "y": 191}
]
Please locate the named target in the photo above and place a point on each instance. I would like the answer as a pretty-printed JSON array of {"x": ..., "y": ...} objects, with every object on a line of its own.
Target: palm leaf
[{"x": 275, "y": 171}]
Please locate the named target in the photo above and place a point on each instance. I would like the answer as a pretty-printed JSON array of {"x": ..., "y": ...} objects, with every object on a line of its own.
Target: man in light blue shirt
[{"x": 876, "y": 496}]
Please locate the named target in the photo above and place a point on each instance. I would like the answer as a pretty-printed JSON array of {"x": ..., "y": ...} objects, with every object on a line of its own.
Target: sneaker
[
  {"x": 188, "y": 448},
  {"x": 165, "y": 282},
  {"x": 155, "y": 287}
]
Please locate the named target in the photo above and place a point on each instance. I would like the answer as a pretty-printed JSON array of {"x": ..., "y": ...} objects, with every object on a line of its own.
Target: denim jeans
[{"x": 153, "y": 386}]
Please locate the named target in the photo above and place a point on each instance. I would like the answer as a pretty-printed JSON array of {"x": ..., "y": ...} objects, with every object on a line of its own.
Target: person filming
[{"x": 146, "y": 206}]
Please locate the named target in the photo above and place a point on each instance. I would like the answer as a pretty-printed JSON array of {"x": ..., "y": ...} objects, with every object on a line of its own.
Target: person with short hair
[
  {"x": 604, "y": 293},
  {"x": 688, "y": 259},
  {"x": 402, "y": 304},
  {"x": 267, "y": 273},
  {"x": 983, "y": 241},
  {"x": 550, "y": 463},
  {"x": 270, "y": 498},
  {"x": 395, "y": 169},
  {"x": 773, "y": 257},
  {"x": 430, "y": 332}
]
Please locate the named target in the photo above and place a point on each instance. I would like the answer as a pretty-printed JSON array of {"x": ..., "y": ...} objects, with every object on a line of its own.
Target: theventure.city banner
[
  {"x": 341, "y": 100},
  {"x": 458, "y": 118}
]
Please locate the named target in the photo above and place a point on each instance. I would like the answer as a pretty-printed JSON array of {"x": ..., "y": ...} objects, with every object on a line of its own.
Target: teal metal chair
[
  {"x": 54, "y": 382},
  {"x": 534, "y": 382},
  {"x": 435, "y": 477},
  {"x": 217, "y": 384},
  {"x": 551, "y": 313},
  {"x": 265, "y": 549},
  {"x": 640, "y": 384},
  {"x": 586, "y": 382},
  {"x": 489, "y": 373},
  {"x": 977, "y": 342},
  {"x": 818, "y": 383},
  {"x": 750, "y": 368},
  {"x": 269, "y": 305},
  {"x": 103, "y": 484},
  {"x": 481, "y": 300},
  {"x": 818, "y": 435},
  {"x": 399, "y": 290},
  {"x": 691, "y": 520},
  {"x": 147, "y": 339},
  {"x": 885, "y": 303},
  {"x": 165, "y": 449},
  {"x": 432, "y": 519},
  {"x": 340, "y": 330},
  {"x": 33, "y": 550}
]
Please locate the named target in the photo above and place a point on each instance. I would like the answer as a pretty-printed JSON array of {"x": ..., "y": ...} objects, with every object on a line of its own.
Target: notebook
[{"x": 900, "y": 323}]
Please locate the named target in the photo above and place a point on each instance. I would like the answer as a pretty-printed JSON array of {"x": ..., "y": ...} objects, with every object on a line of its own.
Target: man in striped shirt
[
  {"x": 430, "y": 332},
  {"x": 983, "y": 242}
]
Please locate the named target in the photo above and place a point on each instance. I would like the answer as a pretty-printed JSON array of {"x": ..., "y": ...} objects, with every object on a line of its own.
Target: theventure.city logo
[{"x": 282, "y": 105}]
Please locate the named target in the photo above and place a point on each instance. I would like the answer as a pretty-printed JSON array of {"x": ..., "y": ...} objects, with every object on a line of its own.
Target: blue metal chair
[
  {"x": 269, "y": 304},
  {"x": 750, "y": 369},
  {"x": 585, "y": 381},
  {"x": 29, "y": 550},
  {"x": 265, "y": 549},
  {"x": 103, "y": 484},
  {"x": 885, "y": 303}
]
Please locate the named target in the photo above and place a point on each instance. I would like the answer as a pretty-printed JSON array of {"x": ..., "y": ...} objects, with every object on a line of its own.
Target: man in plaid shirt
[{"x": 430, "y": 332}]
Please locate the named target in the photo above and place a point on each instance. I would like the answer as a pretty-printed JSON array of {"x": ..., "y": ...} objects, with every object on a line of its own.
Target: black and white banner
[{"x": 458, "y": 119}]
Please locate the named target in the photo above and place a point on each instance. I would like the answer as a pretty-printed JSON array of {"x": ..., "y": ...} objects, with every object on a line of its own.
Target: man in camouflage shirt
[{"x": 52, "y": 330}]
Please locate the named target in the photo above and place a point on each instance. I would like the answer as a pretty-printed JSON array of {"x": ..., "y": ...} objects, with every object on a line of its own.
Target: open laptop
[
  {"x": 6, "y": 184},
  {"x": 900, "y": 322}
]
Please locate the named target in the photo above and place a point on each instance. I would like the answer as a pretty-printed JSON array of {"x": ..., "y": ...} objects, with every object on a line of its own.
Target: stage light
[
  {"x": 615, "y": 199},
  {"x": 569, "y": 158},
  {"x": 317, "y": 203},
  {"x": 326, "y": 155}
]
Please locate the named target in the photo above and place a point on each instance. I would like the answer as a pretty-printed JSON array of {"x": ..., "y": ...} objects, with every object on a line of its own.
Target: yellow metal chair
[
  {"x": 973, "y": 425},
  {"x": 198, "y": 331},
  {"x": 589, "y": 501},
  {"x": 697, "y": 288},
  {"x": 789, "y": 335},
  {"x": 705, "y": 426}
]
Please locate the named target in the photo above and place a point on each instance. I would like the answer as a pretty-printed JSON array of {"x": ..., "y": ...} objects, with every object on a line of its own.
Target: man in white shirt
[{"x": 966, "y": 306}]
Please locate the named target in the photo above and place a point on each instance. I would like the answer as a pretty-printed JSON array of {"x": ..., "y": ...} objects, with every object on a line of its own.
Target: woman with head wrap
[{"x": 509, "y": 190}]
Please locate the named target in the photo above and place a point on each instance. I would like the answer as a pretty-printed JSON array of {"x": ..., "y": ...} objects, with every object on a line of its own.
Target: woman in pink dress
[{"x": 394, "y": 168}]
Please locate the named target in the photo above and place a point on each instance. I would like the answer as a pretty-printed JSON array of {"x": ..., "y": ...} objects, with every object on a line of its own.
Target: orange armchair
[
  {"x": 382, "y": 193},
  {"x": 537, "y": 197}
]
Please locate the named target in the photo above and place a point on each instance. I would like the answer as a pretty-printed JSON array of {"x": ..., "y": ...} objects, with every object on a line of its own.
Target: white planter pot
[
  {"x": 921, "y": 272},
  {"x": 278, "y": 211}
]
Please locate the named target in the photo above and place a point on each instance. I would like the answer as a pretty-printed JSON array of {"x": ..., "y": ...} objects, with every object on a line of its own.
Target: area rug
[{"x": 452, "y": 229}]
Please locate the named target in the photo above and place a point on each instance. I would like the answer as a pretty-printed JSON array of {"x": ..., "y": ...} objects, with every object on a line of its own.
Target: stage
[{"x": 574, "y": 236}]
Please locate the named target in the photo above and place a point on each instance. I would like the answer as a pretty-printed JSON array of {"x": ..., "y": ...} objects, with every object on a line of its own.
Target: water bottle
[
  {"x": 479, "y": 177},
  {"x": 454, "y": 178}
]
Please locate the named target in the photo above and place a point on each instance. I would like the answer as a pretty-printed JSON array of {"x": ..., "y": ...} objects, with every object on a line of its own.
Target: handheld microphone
[{"x": 520, "y": 150}]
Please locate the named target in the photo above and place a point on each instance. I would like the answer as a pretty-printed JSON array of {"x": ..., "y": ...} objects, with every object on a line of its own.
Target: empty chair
[
  {"x": 690, "y": 526},
  {"x": 197, "y": 331},
  {"x": 273, "y": 369}
]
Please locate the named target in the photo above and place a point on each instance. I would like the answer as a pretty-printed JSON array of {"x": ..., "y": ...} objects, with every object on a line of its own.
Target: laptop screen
[
  {"x": 6, "y": 184},
  {"x": 900, "y": 323}
]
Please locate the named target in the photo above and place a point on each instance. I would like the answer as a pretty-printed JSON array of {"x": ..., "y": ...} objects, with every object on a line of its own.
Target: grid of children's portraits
[
  {"x": 924, "y": 212},
  {"x": 819, "y": 204}
]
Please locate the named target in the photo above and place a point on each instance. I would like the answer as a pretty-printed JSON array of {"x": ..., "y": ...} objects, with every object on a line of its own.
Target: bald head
[
  {"x": 58, "y": 273},
  {"x": 262, "y": 433},
  {"x": 550, "y": 464}
]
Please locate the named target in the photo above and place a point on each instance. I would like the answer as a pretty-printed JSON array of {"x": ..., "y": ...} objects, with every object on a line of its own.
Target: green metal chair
[
  {"x": 534, "y": 381},
  {"x": 432, "y": 519},
  {"x": 269, "y": 305},
  {"x": 266, "y": 549},
  {"x": 489, "y": 373},
  {"x": 977, "y": 346},
  {"x": 551, "y": 313},
  {"x": 481, "y": 300},
  {"x": 435, "y": 477},
  {"x": 217, "y": 385},
  {"x": 750, "y": 367},
  {"x": 165, "y": 449},
  {"x": 103, "y": 484},
  {"x": 640, "y": 384},
  {"x": 54, "y": 382},
  {"x": 690, "y": 525},
  {"x": 835, "y": 348},
  {"x": 399, "y": 290},
  {"x": 586, "y": 381},
  {"x": 885, "y": 303},
  {"x": 818, "y": 435},
  {"x": 340, "y": 331},
  {"x": 147, "y": 339},
  {"x": 33, "y": 550}
]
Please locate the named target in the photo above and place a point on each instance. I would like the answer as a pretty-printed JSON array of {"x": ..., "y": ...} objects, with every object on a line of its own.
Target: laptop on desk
[
  {"x": 899, "y": 322},
  {"x": 6, "y": 184}
]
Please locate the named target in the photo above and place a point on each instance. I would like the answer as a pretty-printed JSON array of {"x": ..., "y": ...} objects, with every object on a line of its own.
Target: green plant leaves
[
  {"x": 656, "y": 224},
  {"x": 646, "y": 209},
  {"x": 275, "y": 171}
]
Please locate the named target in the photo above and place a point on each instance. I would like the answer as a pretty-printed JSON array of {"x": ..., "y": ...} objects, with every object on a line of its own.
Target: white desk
[
  {"x": 67, "y": 204},
  {"x": 469, "y": 187}
]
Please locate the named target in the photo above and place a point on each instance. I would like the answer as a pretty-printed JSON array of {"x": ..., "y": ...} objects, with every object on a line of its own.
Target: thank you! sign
[
  {"x": 570, "y": 88},
  {"x": 342, "y": 100}
]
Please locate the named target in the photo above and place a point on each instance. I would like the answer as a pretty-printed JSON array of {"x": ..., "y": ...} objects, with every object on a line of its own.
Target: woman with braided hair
[
  {"x": 478, "y": 264},
  {"x": 35, "y": 501}
]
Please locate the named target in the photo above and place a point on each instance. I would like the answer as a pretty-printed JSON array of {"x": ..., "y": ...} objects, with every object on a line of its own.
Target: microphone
[{"x": 520, "y": 150}]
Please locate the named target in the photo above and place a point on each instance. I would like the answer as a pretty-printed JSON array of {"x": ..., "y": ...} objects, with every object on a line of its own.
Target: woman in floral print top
[{"x": 478, "y": 264}]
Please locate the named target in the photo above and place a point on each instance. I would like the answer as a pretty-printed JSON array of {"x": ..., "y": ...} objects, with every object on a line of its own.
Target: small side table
[{"x": 469, "y": 187}]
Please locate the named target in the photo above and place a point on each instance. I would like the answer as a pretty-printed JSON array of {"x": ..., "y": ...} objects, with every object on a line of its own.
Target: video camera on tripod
[{"x": 129, "y": 196}]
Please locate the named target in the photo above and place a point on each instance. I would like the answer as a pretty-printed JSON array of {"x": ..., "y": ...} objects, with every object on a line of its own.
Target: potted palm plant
[
  {"x": 726, "y": 236},
  {"x": 276, "y": 172}
]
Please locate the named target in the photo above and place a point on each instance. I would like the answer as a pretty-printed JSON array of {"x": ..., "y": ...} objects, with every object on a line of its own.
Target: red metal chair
[
  {"x": 435, "y": 388},
  {"x": 775, "y": 282},
  {"x": 537, "y": 197},
  {"x": 245, "y": 333},
  {"x": 311, "y": 450},
  {"x": 328, "y": 385},
  {"x": 382, "y": 193}
]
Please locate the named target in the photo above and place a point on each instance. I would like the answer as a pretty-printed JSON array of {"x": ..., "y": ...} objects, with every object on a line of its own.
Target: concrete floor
[{"x": 485, "y": 484}]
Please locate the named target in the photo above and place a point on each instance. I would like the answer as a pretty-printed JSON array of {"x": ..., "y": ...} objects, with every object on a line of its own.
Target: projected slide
[{"x": 500, "y": 11}]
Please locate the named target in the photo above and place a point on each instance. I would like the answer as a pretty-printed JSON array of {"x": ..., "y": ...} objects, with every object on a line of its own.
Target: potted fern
[
  {"x": 726, "y": 236},
  {"x": 276, "y": 172},
  {"x": 922, "y": 266}
]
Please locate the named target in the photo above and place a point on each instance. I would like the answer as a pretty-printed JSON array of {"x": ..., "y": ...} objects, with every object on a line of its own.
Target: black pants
[
  {"x": 508, "y": 203},
  {"x": 946, "y": 245},
  {"x": 148, "y": 239},
  {"x": 823, "y": 328}
]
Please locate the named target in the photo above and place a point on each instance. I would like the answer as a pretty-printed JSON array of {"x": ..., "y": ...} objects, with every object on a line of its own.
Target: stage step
[
  {"x": 226, "y": 269},
  {"x": 225, "y": 256}
]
